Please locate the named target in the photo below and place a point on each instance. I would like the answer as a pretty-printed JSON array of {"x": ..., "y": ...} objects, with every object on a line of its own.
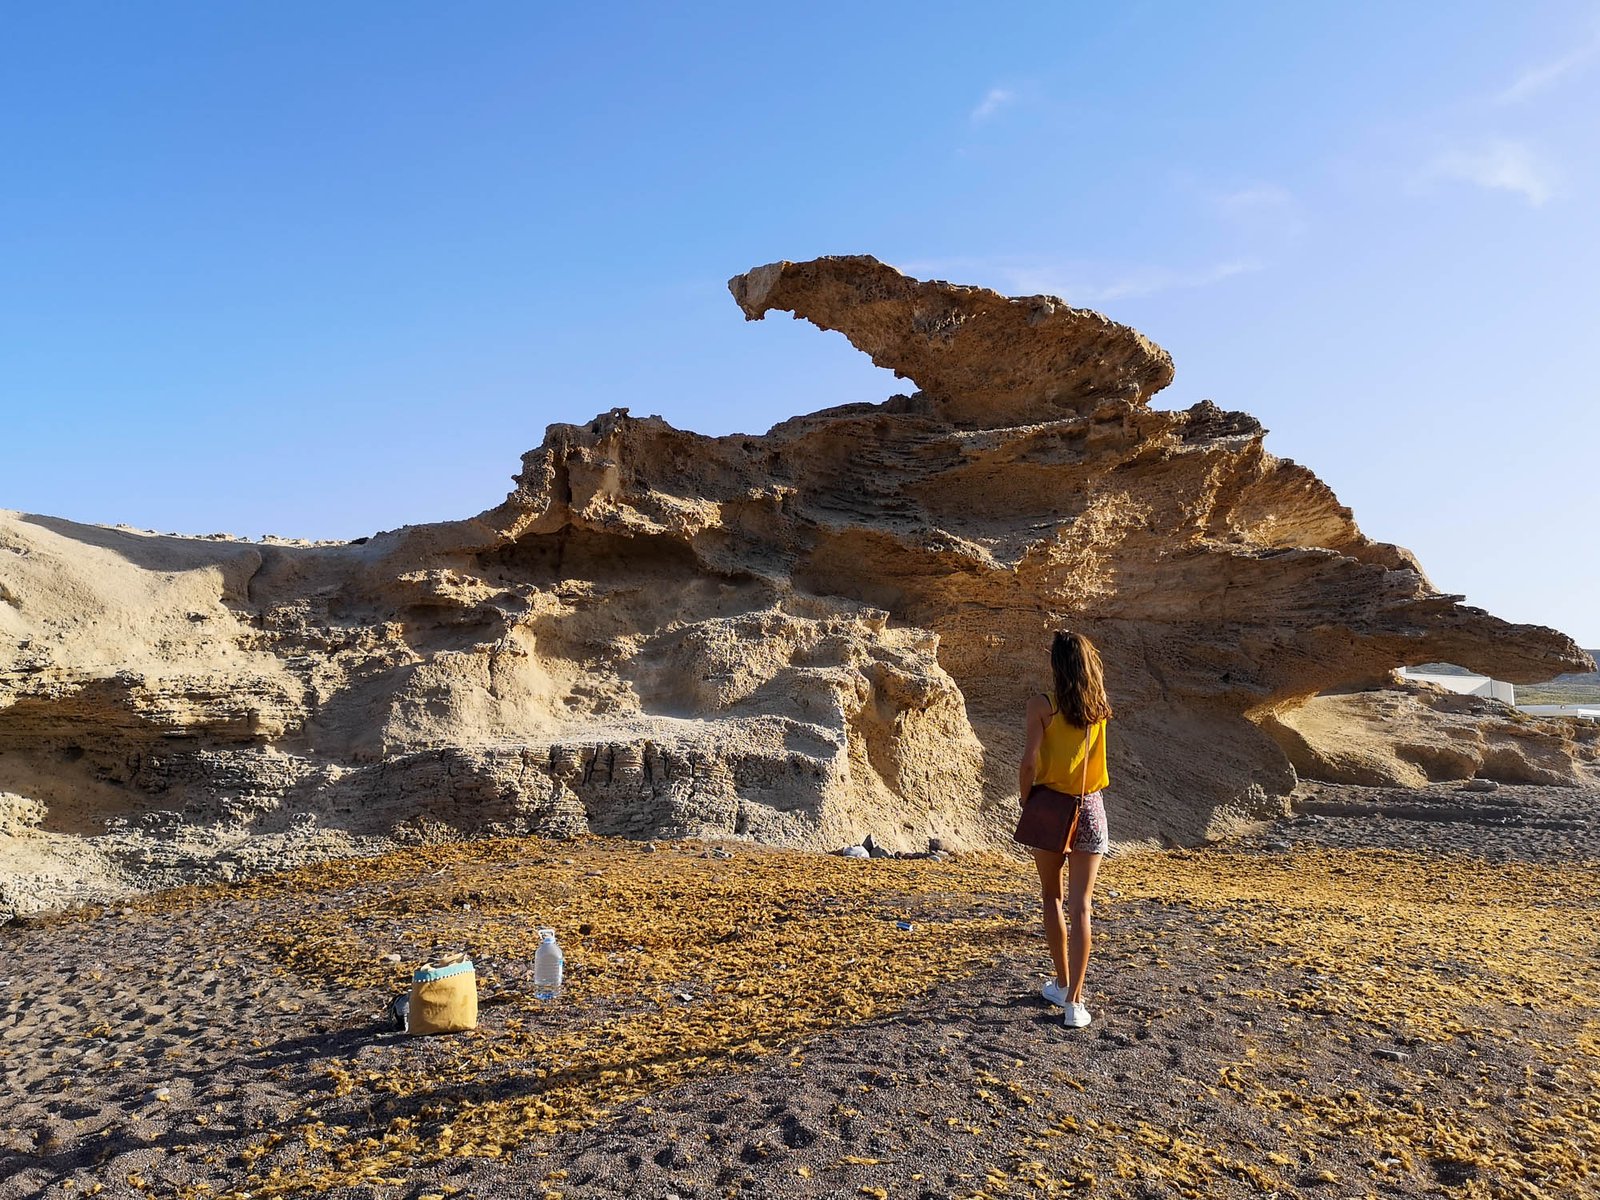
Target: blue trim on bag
[{"x": 429, "y": 974}]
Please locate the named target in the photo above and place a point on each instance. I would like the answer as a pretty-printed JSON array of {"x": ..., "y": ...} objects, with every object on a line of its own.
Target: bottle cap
[{"x": 548, "y": 935}]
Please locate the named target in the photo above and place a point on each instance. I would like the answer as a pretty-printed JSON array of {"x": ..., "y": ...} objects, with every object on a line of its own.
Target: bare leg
[
  {"x": 1055, "y": 930},
  {"x": 1081, "y": 872}
]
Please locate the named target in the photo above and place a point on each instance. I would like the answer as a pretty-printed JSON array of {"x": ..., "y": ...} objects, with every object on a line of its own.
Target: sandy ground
[{"x": 1392, "y": 994}]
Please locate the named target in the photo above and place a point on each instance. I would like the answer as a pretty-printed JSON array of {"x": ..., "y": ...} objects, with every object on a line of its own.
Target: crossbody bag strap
[
  {"x": 1077, "y": 809},
  {"x": 1083, "y": 786}
]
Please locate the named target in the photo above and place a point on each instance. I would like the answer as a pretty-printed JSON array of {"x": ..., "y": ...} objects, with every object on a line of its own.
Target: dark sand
[{"x": 1392, "y": 995}]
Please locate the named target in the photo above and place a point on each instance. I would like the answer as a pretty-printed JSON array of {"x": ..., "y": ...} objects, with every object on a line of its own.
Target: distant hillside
[{"x": 1565, "y": 689}]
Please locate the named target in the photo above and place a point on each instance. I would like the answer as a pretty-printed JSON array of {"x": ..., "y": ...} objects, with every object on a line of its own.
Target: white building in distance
[
  {"x": 1464, "y": 682},
  {"x": 1467, "y": 684}
]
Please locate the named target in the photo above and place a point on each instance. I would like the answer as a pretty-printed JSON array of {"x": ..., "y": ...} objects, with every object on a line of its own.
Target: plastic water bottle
[{"x": 547, "y": 962}]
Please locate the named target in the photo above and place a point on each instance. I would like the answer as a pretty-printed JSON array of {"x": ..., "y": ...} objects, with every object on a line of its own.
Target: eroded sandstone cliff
[{"x": 800, "y": 636}]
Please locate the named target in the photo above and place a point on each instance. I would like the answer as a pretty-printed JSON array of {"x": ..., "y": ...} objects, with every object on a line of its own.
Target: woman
[{"x": 1063, "y": 816}]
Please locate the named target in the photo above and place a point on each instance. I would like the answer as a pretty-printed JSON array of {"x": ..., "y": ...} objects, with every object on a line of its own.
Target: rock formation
[
  {"x": 799, "y": 636},
  {"x": 1413, "y": 734}
]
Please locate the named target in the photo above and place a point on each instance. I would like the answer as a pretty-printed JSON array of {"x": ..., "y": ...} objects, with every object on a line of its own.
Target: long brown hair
[{"x": 1080, "y": 679}]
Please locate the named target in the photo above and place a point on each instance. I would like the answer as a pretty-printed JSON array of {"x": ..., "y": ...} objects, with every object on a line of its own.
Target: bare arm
[{"x": 1038, "y": 718}]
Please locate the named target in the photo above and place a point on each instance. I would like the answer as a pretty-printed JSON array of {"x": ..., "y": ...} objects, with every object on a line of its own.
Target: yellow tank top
[{"x": 1061, "y": 766}]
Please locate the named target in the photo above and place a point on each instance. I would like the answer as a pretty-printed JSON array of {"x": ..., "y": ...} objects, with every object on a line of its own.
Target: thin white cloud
[
  {"x": 1498, "y": 165},
  {"x": 1545, "y": 76},
  {"x": 1263, "y": 212},
  {"x": 993, "y": 102},
  {"x": 1149, "y": 281},
  {"x": 1253, "y": 199},
  {"x": 1077, "y": 284}
]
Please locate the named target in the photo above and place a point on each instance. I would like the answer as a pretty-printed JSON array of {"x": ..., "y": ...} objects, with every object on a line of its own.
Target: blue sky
[{"x": 317, "y": 270}]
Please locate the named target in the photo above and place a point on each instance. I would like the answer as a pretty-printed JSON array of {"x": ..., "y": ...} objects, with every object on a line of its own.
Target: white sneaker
[
  {"x": 1055, "y": 993},
  {"x": 1076, "y": 1016}
]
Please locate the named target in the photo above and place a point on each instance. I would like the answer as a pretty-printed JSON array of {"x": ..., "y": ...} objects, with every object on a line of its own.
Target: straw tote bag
[{"x": 1050, "y": 818}]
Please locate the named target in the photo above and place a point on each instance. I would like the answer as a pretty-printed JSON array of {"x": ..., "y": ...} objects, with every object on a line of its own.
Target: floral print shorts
[
  {"x": 1059, "y": 822},
  {"x": 1091, "y": 836}
]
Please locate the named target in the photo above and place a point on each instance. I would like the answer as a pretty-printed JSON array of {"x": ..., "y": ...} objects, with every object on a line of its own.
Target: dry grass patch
[{"x": 684, "y": 965}]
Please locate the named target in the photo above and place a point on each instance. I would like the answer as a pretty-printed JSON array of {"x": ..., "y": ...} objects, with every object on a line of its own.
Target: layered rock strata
[{"x": 798, "y": 637}]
